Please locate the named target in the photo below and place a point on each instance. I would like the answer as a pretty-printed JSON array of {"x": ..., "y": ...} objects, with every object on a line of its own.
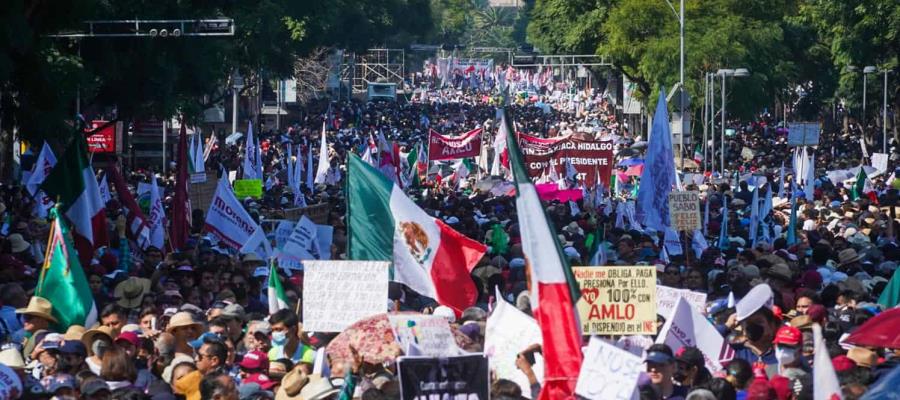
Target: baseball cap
[
  {"x": 253, "y": 390},
  {"x": 129, "y": 337},
  {"x": 758, "y": 297},
  {"x": 92, "y": 386},
  {"x": 73, "y": 347},
  {"x": 260, "y": 379},
  {"x": 198, "y": 342},
  {"x": 234, "y": 311},
  {"x": 788, "y": 335},
  {"x": 691, "y": 356},
  {"x": 56, "y": 382},
  {"x": 658, "y": 357},
  {"x": 255, "y": 360}
]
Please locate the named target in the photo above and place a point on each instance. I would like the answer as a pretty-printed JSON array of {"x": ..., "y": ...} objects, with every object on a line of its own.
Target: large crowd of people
[{"x": 194, "y": 322}]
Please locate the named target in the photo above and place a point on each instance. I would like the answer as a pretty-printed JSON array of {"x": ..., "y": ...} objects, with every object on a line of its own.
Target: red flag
[
  {"x": 181, "y": 210},
  {"x": 138, "y": 229}
]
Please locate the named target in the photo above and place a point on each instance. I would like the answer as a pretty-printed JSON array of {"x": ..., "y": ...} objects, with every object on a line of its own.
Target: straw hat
[
  {"x": 93, "y": 334},
  {"x": 180, "y": 319},
  {"x": 291, "y": 385},
  {"x": 38, "y": 307},
  {"x": 130, "y": 292},
  {"x": 318, "y": 388},
  {"x": 848, "y": 256},
  {"x": 75, "y": 332},
  {"x": 18, "y": 243}
]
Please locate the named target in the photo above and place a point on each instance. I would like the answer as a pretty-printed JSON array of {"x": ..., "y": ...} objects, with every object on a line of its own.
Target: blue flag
[
  {"x": 792, "y": 223},
  {"x": 659, "y": 172}
]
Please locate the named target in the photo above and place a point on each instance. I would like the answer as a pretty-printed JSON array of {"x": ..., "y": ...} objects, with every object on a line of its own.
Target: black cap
[{"x": 691, "y": 356}]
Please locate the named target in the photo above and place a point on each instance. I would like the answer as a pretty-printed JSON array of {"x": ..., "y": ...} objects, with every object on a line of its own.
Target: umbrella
[
  {"x": 879, "y": 331},
  {"x": 630, "y": 162},
  {"x": 374, "y": 339}
]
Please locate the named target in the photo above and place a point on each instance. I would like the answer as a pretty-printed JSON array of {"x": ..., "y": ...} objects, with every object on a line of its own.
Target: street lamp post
[
  {"x": 236, "y": 85},
  {"x": 737, "y": 73},
  {"x": 680, "y": 16}
]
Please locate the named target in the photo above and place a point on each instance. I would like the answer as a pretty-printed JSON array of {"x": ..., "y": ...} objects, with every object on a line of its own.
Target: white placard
[
  {"x": 666, "y": 297},
  {"x": 880, "y": 162},
  {"x": 687, "y": 327},
  {"x": 608, "y": 372},
  {"x": 338, "y": 293},
  {"x": 429, "y": 335},
  {"x": 509, "y": 332},
  {"x": 635, "y": 344}
]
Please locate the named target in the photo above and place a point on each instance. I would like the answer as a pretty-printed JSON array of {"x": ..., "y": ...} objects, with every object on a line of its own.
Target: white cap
[
  {"x": 758, "y": 297},
  {"x": 446, "y": 312}
]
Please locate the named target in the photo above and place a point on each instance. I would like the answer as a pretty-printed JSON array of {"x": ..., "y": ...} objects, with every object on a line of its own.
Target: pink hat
[{"x": 129, "y": 337}]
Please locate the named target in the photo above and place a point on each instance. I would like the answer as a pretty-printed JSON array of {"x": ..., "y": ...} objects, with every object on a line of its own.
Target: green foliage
[
  {"x": 147, "y": 77},
  {"x": 568, "y": 26}
]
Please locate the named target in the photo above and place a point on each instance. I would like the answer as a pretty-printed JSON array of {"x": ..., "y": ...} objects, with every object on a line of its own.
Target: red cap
[
  {"x": 130, "y": 337},
  {"x": 788, "y": 335},
  {"x": 842, "y": 363},
  {"x": 817, "y": 313},
  {"x": 261, "y": 379},
  {"x": 255, "y": 360}
]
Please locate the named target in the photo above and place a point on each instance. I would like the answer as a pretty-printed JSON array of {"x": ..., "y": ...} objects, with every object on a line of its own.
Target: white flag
[
  {"x": 827, "y": 386},
  {"x": 228, "y": 221},
  {"x": 252, "y": 154},
  {"x": 687, "y": 327},
  {"x": 324, "y": 162},
  {"x": 45, "y": 162},
  {"x": 156, "y": 220}
]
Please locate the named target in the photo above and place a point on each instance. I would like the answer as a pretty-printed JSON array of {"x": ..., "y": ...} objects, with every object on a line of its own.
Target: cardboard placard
[
  {"x": 509, "y": 332},
  {"x": 248, "y": 188},
  {"x": 460, "y": 377},
  {"x": 880, "y": 162},
  {"x": 617, "y": 300},
  {"x": 666, "y": 297},
  {"x": 429, "y": 335},
  {"x": 684, "y": 210},
  {"x": 608, "y": 372},
  {"x": 338, "y": 293}
]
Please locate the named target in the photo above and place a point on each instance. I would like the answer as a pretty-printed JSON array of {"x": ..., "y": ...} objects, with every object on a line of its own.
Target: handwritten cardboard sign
[
  {"x": 684, "y": 210},
  {"x": 617, "y": 300},
  {"x": 248, "y": 188},
  {"x": 608, "y": 372},
  {"x": 338, "y": 293},
  {"x": 509, "y": 332},
  {"x": 666, "y": 297}
]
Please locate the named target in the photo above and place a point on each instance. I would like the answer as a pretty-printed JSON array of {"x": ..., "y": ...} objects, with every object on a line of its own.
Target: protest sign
[
  {"x": 460, "y": 377},
  {"x": 441, "y": 147},
  {"x": 324, "y": 238},
  {"x": 589, "y": 157},
  {"x": 283, "y": 232},
  {"x": 608, "y": 372},
  {"x": 302, "y": 241},
  {"x": 227, "y": 219},
  {"x": 428, "y": 334},
  {"x": 635, "y": 344},
  {"x": 666, "y": 297},
  {"x": 10, "y": 383},
  {"x": 617, "y": 300},
  {"x": 338, "y": 293},
  {"x": 684, "y": 210},
  {"x": 509, "y": 332},
  {"x": 880, "y": 161},
  {"x": 248, "y": 188},
  {"x": 803, "y": 134},
  {"x": 687, "y": 327}
]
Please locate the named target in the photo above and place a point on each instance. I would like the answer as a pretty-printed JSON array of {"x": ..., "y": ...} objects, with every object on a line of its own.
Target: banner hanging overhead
[
  {"x": 441, "y": 147},
  {"x": 590, "y": 158}
]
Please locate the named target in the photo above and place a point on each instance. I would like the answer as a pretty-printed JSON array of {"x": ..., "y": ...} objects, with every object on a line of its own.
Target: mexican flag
[
  {"x": 72, "y": 181},
  {"x": 554, "y": 291},
  {"x": 277, "y": 299},
  {"x": 63, "y": 281},
  {"x": 698, "y": 154},
  {"x": 428, "y": 255},
  {"x": 863, "y": 187}
]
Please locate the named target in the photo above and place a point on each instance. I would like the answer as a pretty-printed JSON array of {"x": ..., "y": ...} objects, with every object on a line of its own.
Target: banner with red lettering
[
  {"x": 228, "y": 220},
  {"x": 589, "y": 157},
  {"x": 442, "y": 147}
]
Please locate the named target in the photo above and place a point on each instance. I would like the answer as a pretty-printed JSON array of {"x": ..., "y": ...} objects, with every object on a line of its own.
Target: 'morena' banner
[
  {"x": 590, "y": 158},
  {"x": 442, "y": 147}
]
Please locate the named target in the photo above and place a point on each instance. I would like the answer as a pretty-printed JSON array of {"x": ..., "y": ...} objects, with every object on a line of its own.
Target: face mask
[
  {"x": 786, "y": 355},
  {"x": 754, "y": 332},
  {"x": 279, "y": 338}
]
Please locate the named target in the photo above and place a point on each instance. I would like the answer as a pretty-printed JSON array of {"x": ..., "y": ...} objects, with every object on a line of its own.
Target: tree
[{"x": 568, "y": 26}]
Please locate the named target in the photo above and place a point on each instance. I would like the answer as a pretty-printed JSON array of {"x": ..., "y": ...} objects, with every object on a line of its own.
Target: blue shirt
[{"x": 9, "y": 322}]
